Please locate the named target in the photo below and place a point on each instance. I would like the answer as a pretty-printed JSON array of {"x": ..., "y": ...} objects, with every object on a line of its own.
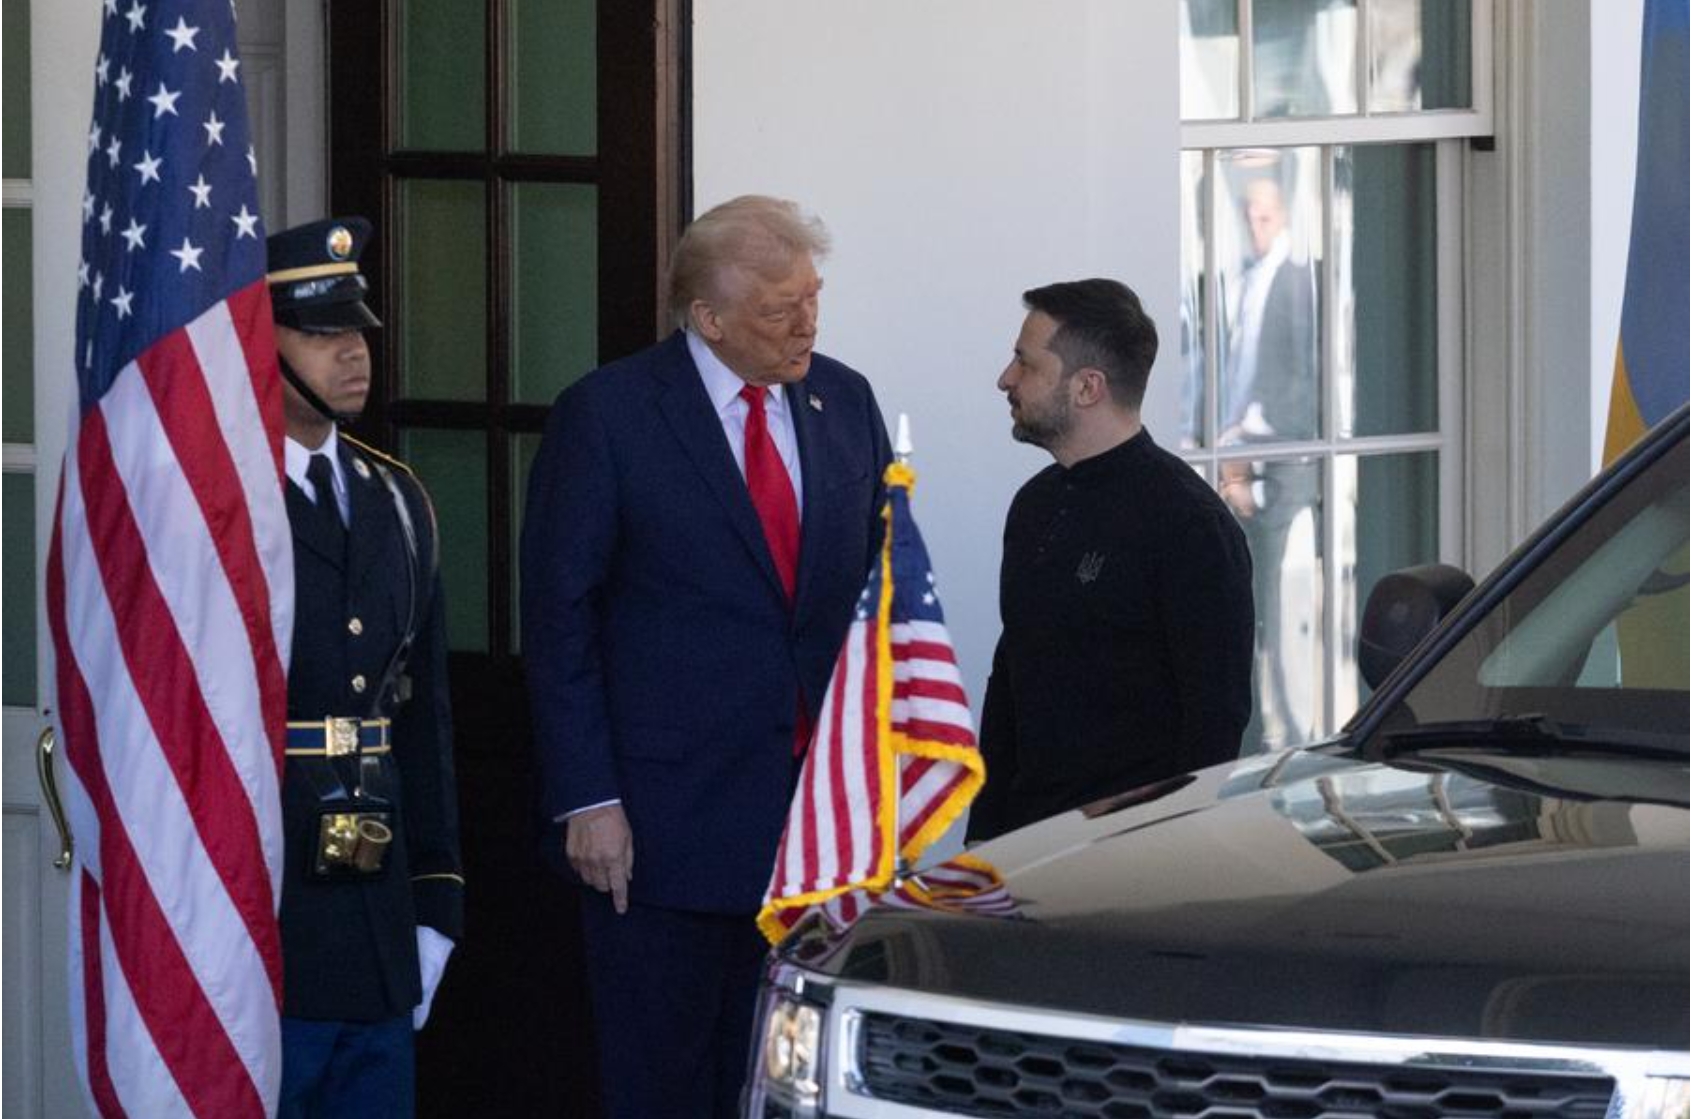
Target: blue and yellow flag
[{"x": 1652, "y": 356}]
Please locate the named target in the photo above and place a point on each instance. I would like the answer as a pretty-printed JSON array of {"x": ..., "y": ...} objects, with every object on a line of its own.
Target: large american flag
[
  {"x": 893, "y": 761},
  {"x": 170, "y": 586}
]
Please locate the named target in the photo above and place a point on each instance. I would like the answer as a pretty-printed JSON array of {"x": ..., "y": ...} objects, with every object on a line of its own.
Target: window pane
[
  {"x": 554, "y": 288},
  {"x": 1303, "y": 57},
  {"x": 441, "y": 75},
  {"x": 523, "y": 450},
  {"x": 17, "y": 327},
  {"x": 1193, "y": 309},
  {"x": 1420, "y": 57},
  {"x": 1386, "y": 289},
  {"x": 453, "y": 465},
  {"x": 1387, "y": 508},
  {"x": 553, "y": 94},
  {"x": 1268, "y": 247},
  {"x": 1209, "y": 59},
  {"x": 1278, "y": 504},
  {"x": 442, "y": 257},
  {"x": 17, "y": 551},
  {"x": 14, "y": 57}
]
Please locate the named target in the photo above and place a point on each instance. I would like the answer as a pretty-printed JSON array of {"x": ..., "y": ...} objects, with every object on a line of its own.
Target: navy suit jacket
[{"x": 665, "y": 665}]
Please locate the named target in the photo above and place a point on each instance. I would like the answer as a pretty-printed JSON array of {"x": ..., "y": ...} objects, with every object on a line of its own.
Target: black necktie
[{"x": 321, "y": 474}]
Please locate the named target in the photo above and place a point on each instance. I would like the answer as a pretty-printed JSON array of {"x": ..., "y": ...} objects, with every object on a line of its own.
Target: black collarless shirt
[{"x": 1126, "y": 651}]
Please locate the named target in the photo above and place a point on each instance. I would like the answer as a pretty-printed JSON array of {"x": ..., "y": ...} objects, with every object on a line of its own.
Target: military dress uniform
[
  {"x": 370, "y": 645},
  {"x": 369, "y": 801}
]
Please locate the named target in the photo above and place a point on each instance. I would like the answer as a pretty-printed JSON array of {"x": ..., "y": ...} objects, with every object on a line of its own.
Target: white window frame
[{"x": 1450, "y": 131}]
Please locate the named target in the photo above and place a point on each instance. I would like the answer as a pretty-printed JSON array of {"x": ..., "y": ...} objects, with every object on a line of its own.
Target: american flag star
[{"x": 170, "y": 587}]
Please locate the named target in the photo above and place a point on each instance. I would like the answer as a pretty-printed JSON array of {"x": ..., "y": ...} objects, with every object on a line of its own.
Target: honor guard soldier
[{"x": 372, "y": 898}]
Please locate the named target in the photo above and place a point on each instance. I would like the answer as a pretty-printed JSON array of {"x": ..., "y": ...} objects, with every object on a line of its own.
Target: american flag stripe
[
  {"x": 149, "y": 854},
  {"x": 158, "y": 659},
  {"x": 89, "y": 1031},
  {"x": 893, "y": 762}
]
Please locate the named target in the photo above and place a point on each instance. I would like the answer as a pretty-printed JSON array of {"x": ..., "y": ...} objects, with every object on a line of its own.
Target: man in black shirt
[{"x": 1125, "y": 591}]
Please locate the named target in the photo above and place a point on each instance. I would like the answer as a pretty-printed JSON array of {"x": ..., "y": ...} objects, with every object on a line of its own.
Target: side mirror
[{"x": 1404, "y": 607}]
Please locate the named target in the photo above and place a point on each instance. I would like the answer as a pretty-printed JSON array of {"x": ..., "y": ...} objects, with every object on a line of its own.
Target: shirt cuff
[{"x": 585, "y": 808}]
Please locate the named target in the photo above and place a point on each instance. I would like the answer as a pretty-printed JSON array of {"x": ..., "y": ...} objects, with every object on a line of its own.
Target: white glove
[{"x": 433, "y": 948}]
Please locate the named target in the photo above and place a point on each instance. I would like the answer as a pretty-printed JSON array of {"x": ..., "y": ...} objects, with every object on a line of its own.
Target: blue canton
[{"x": 170, "y": 221}]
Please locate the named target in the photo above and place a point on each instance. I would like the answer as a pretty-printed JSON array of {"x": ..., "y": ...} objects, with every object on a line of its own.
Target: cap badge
[{"x": 340, "y": 243}]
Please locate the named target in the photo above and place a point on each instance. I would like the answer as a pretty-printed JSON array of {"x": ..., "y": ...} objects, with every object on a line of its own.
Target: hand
[
  {"x": 600, "y": 847},
  {"x": 433, "y": 948},
  {"x": 1238, "y": 489}
]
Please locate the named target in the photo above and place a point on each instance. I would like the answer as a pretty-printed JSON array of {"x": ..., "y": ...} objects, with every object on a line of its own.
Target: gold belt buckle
[{"x": 340, "y": 736}]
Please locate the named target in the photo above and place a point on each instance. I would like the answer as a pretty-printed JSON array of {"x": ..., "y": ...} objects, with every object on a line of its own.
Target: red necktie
[{"x": 772, "y": 491}]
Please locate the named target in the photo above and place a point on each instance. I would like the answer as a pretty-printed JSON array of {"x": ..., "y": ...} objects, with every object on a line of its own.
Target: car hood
[{"x": 1311, "y": 890}]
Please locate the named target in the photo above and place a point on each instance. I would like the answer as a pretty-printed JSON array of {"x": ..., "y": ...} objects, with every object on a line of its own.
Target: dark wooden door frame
[{"x": 511, "y": 1030}]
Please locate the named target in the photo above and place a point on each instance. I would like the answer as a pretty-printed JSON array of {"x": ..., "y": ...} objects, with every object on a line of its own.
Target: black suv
[{"x": 1471, "y": 902}]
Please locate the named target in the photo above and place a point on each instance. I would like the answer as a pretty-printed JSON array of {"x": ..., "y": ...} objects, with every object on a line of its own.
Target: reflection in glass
[
  {"x": 1420, "y": 55},
  {"x": 1209, "y": 59},
  {"x": 1376, "y": 818},
  {"x": 1386, "y": 284},
  {"x": 453, "y": 465},
  {"x": 1386, "y": 509},
  {"x": 554, "y": 288},
  {"x": 523, "y": 449},
  {"x": 1303, "y": 57},
  {"x": 1278, "y": 504},
  {"x": 1268, "y": 242},
  {"x": 17, "y": 330},
  {"x": 18, "y": 536},
  {"x": 441, "y": 75},
  {"x": 442, "y": 289},
  {"x": 1193, "y": 316},
  {"x": 553, "y": 80},
  {"x": 1541, "y": 651}
]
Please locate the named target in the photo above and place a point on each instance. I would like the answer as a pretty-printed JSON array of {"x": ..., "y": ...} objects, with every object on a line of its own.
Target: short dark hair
[{"x": 1100, "y": 324}]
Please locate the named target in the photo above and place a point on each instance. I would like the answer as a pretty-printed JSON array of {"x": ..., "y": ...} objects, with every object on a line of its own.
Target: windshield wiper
[{"x": 1530, "y": 734}]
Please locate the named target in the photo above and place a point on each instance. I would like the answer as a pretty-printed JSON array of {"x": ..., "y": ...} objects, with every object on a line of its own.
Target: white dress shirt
[
  {"x": 723, "y": 386},
  {"x": 296, "y": 458}
]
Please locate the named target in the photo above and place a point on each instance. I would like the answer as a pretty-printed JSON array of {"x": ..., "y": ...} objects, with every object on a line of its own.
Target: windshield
[{"x": 1595, "y": 637}]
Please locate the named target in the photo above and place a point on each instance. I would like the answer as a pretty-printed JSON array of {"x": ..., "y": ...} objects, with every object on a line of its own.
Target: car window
[{"x": 1595, "y": 635}]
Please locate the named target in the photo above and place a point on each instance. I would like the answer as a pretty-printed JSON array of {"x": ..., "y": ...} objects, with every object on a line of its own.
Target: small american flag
[
  {"x": 170, "y": 586},
  {"x": 893, "y": 762}
]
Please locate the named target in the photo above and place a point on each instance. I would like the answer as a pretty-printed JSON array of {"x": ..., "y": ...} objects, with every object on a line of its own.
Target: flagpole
[{"x": 902, "y": 450}]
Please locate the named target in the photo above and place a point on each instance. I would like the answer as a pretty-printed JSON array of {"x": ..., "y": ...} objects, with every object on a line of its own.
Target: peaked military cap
[{"x": 315, "y": 285}]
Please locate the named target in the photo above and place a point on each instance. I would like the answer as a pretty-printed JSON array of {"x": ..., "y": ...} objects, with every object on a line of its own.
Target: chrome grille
[{"x": 956, "y": 1069}]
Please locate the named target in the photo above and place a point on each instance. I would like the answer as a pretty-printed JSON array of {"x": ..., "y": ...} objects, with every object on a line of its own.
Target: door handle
[{"x": 44, "y": 747}]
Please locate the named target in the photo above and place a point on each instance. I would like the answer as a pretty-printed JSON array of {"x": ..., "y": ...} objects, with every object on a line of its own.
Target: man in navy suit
[{"x": 700, "y": 520}]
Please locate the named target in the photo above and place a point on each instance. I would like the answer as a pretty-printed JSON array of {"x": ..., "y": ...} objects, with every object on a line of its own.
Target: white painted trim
[
  {"x": 17, "y": 458},
  {"x": 1452, "y": 376},
  {"x": 17, "y": 193},
  {"x": 1385, "y": 128}
]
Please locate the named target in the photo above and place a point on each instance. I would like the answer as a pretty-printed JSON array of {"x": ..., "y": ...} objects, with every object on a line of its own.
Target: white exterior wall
[
  {"x": 960, "y": 151},
  {"x": 1615, "y": 29}
]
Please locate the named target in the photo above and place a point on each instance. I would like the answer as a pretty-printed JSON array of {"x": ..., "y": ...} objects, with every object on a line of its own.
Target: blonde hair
[{"x": 752, "y": 233}]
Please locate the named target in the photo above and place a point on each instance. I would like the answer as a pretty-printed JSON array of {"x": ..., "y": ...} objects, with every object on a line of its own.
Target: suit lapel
[
  {"x": 809, "y": 426},
  {"x": 687, "y": 409},
  {"x": 310, "y": 530}
]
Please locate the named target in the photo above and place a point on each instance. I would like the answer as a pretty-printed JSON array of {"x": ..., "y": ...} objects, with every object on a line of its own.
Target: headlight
[{"x": 787, "y": 1069}]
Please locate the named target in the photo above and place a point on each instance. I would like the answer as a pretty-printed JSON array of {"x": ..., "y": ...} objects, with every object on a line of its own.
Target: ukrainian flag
[{"x": 1652, "y": 356}]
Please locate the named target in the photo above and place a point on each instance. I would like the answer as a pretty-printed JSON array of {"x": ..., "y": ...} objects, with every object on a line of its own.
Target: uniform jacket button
[
  {"x": 358, "y": 683},
  {"x": 355, "y": 626}
]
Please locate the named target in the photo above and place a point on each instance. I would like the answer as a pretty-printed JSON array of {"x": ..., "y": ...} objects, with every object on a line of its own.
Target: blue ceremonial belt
[{"x": 337, "y": 736}]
